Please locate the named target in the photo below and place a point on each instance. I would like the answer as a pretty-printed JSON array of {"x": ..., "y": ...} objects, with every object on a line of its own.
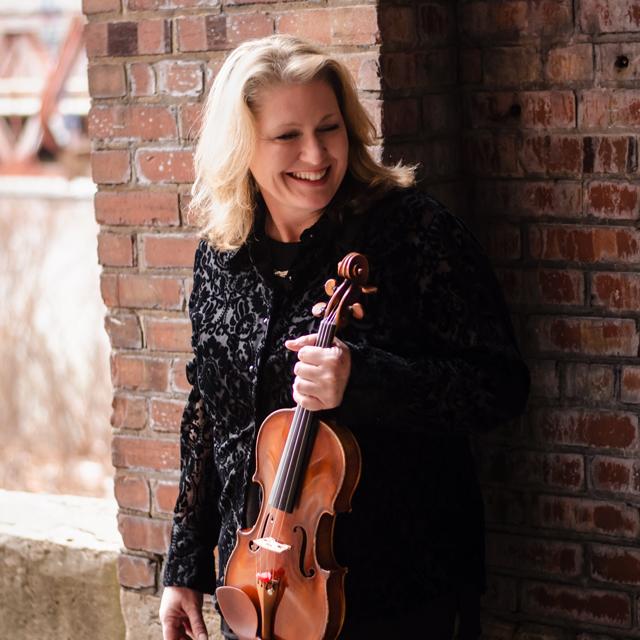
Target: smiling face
[{"x": 301, "y": 152}]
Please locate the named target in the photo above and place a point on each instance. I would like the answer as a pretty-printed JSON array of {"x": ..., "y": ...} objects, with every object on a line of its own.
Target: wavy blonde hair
[{"x": 224, "y": 191}]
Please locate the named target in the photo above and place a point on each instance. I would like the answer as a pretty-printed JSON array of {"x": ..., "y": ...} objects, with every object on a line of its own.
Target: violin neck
[{"x": 286, "y": 485}]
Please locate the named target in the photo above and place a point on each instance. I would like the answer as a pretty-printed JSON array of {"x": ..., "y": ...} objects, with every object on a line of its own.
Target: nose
[{"x": 313, "y": 150}]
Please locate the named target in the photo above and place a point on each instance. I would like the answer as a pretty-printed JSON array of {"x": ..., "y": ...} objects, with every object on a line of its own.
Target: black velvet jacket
[{"x": 433, "y": 360}]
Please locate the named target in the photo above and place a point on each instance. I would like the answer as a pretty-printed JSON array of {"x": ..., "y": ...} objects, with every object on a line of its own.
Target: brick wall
[
  {"x": 550, "y": 118},
  {"x": 522, "y": 113}
]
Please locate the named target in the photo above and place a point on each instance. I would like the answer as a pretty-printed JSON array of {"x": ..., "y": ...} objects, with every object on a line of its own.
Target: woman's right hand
[{"x": 181, "y": 614}]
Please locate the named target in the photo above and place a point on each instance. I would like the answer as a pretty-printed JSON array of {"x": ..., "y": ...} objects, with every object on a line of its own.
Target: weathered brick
[
  {"x": 615, "y": 564},
  {"x": 600, "y": 16},
  {"x": 612, "y": 200},
  {"x": 311, "y": 24},
  {"x": 145, "y": 453},
  {"x": 512, "y": 66},
  {"x": 614, "y": 290},
  {"x": 163, "y": 334},
  {"x": 129, "y": 412},
  {"x": 124, "y": 331},
  {"x": 166, "y": 415},
  {"x": 132, "y": 492},
  {"x": 587, "y": 428},
  {"x": 110, "y": 166},
  {"x": 619, "y": 475},
  {"x": 577, "y": 604},
  {"x": 545, "y": 378},
  {"x": 585, "y": 244},
  {"x": 107, "y": 81},
  {"x": 397, "y": 25},
  {"x": 95, "y": 37},
  {"x": 166, "y": 251},
  {"x": 179, "y": 78},
  {"x": 543, "y": 286},
  {"x": 165, "y": 495},
  {"x": 492, "y": 153},
  {"x": 189, "y": 119},
  {"x": 178, "y": 375},
  {"x": 630, "y": 384},
  {"x": 503, "y": 242},
  {"x": 534, "y": 555},
  {"x": 100, "y": 6},
  {"x": 115, "y": 249},
  {"x": 139, "y": 373},
  {"x": 355, "y": 25},
  {"x": 501, "y": 594},
  {"x": 607, "y": 110},
  {"x": 149, "y": 291},
  {"x": 144, "y": 122},
  {"x": 590, "y": 383},
  {"x": 136, "y": 572},
  {"x": 162, "y": 165},
  {"x": 156, "y": 208},
  {"x": 610, "y": 154},
  {"x": 144, "y": 534},
  {"x": 587, "y": 516},
  {"x": 610, "y": 59},
  {"x": 142, "y": 80},
  {"x": 552, "y": 155},
  {"x": 570, "y": 64}
]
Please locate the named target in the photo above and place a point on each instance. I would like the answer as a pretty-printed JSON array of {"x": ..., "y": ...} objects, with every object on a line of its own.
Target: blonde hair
[{"x": 224, "y": 191}]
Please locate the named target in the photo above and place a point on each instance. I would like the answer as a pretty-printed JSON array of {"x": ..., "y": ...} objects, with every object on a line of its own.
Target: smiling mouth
[{"x": 310, "y": 176}]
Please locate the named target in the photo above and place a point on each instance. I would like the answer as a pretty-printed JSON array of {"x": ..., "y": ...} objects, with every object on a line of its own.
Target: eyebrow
[{"x": 296, "y": 124}]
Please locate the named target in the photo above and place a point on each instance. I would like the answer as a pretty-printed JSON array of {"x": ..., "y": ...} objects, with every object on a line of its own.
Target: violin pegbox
[{"x": 345, "y": 297}]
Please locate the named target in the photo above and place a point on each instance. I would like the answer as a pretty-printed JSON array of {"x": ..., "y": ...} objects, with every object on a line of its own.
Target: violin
[{"x": 282, "y": 576}]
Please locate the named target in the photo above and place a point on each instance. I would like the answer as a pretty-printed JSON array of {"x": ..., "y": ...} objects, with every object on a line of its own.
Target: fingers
[
  {"x": 197, "y": 629},
  {"x": 295, "y": 344}
]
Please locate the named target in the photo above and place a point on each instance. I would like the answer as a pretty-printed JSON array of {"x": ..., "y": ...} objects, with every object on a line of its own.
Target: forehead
[{"x": 289, "y": 103}]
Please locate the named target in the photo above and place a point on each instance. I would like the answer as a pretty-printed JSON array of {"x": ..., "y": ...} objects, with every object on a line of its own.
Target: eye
[
  {"x": 287, "y": 136},
  {"x": 329, "y": 127}
]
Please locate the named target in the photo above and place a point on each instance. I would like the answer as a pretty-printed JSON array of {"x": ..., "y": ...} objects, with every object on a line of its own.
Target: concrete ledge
[{"x": 58, "y": 556}]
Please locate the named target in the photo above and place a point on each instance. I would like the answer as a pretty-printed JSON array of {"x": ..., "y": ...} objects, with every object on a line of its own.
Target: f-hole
[{"x": 303, "y": 550}]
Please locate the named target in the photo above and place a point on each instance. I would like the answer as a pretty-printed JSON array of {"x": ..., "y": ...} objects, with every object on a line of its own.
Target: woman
[{"x": 286, "y": 186}]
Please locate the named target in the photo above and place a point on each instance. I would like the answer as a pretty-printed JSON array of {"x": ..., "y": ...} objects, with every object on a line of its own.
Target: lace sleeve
[
  {"x": 196, "y": 522},
  {"x": 455, "y": 366}
]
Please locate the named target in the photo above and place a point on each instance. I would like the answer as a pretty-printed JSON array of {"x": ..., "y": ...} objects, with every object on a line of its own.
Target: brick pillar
[
  {"x": 150, "y": 62},
  {"x": 550, "y": 118}
]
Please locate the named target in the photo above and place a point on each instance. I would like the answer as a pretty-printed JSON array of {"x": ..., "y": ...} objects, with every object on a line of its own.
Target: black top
[{"x": 433, "y": 360}]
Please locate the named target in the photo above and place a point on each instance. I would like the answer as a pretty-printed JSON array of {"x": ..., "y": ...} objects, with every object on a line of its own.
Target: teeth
[{"x": 307, "y": 175}]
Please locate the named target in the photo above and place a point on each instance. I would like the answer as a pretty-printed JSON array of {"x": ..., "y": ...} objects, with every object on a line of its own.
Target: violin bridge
[{"x": 271, "y": 544}]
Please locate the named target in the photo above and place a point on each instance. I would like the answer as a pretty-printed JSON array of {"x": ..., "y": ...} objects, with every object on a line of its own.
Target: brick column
[
  {"x": 150, "y": 63},
  {"x": 550, "y": 112}
]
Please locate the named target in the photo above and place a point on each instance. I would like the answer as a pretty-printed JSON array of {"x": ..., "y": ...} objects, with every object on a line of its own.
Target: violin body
[{"x": 310, "y": 601}]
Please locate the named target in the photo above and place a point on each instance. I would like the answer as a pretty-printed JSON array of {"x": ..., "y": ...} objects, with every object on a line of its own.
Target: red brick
[
  {"x": 585, "y": 244},
  {"x": 470, "y": 66},
  {"x": 545, "y": 378},
  {"x": 493, "y": 154},
  {"x": 107, "y": 81},
  {"x": 100, "y": 6},
  {"x": 136, "y": 572},
  {"x": 440, "y": 113},
  {"x": 587, "y": 516},
  {"x": 355, "y": 25},
  {"x": 142, "y": 81},
  {"x": 437, "y": 68},
  {"x": 149, "y": 291},
  {"x": 205, "y": 33},
  {"x": 145, "y": 453},
  {"x": 109, "y": 289},
  {"x": 179, "y": 78},
  {"x": 95, "y": 38},
  {"x": 577, "y": 604},
  {"x": 189, "y": 120},
  {"x": 530, "y": 198},
  {"x": 110, "y": 166},
  {"x": 548, "y": 109},
  {"x": 619, "y": 291},
  {"x": 552, "y": 155},
  {"x": 601, "y": 16},
  {"x": 124, "y": 331},
  {"x": 534, "y": 555},
  {"x": 129, "y": 412},
  {"x": 616, "y": 565},
  {"x": 115, "y": 249},
  {"x": 612, "y": 200},
  {"x": 570, "y": 64},
  {"x": 607, "y": 71},
  {"x": 608, "y": 109},
  {"x": 397, "y": 25},
  {"x": 156, "y": 208},
  {"x": 543, "y": 286},
  {"x": 166, "y": 251},
  {"x": 143, "y": 122},
  {"x": 311, "y": 24},
  {"x": 512, "y": 66},
  {"x": 399, "y": 70},
  {"x": 164, "y": 165},
  {"x": 145, "y": 534},
  {"x": 166, "y": 415},
  {"x": 610, "y": 154},
  {"x": 619, "y": 475},
  {"x": 630, "y": 384},
  {"x": 592, "y": 336},
  {"x": 163, "y": 334},
  {"x": 165, "y": 495},
  {"x": 586, "y": 428},
  {"x": 490, "y": 21},
  {"x": 179, "y": 380},
  {"x": 503, "y": 242},
  {"x": 590, "y": 383},
  {"x": 436, "y": 22},
  {"x": 132, "y": 492},
  {"x": 139, "y": 373},
  {"x": 154, "y": 36}
]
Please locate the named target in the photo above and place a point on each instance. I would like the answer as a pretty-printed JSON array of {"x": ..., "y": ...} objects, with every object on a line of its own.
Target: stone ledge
[{"x": 58, "y": 556}]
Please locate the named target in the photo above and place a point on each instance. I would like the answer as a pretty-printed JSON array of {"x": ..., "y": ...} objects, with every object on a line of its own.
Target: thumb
[{"x": 296, "y": 344}]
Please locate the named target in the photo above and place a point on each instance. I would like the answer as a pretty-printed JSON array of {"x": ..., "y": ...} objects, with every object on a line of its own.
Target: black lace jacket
[{"x": 433, "y": 360}]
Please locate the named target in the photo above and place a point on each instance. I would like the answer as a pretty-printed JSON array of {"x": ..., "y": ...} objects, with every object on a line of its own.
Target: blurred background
[{"x": 55, "y": 389}]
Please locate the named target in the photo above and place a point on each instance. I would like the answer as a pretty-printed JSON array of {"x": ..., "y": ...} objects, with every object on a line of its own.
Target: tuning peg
[
  {"x": 369, "y": 289},
  {"x": 357, "y": 311},
  {"x": 330, "y": 287},
  {"x": 318, "y": 309}
]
